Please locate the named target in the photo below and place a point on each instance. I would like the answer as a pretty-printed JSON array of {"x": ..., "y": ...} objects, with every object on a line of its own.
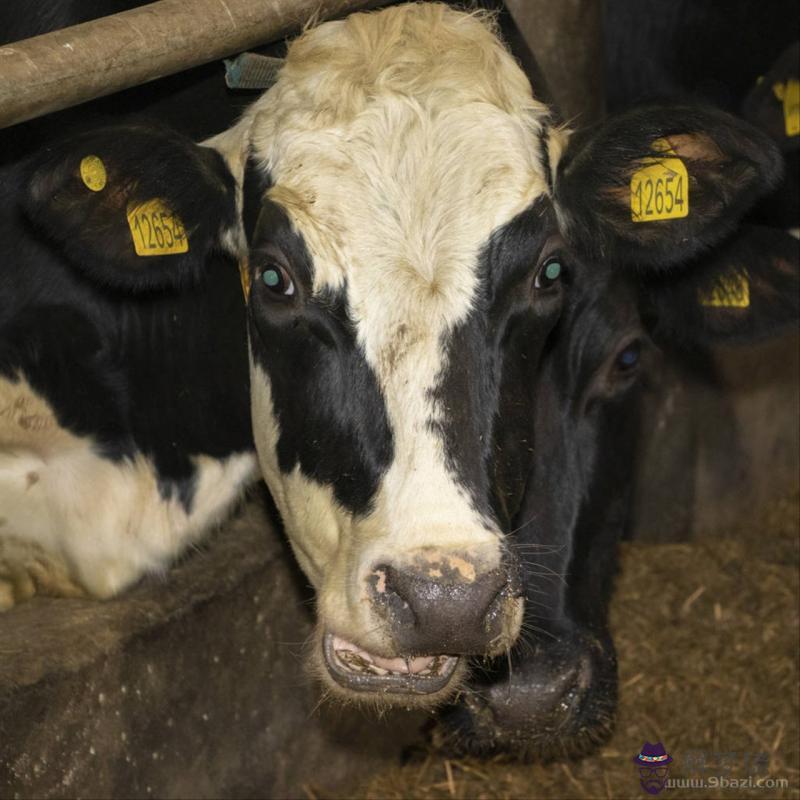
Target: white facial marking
[{"x": 102, "y": 523}]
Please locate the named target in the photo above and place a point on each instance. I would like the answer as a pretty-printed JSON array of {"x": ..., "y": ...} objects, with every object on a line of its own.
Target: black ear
[
  {"x": 746, "y": 290},
  {"x": 658, "y": 185},
  {"x": 134, "y": 207},
  {"x": 774, "y": 102}
]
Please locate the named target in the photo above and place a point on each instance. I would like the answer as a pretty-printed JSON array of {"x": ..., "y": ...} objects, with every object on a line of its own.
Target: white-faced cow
[{"x": 447, "y": 296}]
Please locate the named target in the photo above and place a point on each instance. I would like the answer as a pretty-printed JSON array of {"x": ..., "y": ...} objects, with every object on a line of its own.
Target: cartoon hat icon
[{"x": 652, "y": 755}]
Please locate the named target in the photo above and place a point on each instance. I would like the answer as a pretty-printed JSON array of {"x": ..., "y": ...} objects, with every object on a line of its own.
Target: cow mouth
[{"x": 354, "y": 668}]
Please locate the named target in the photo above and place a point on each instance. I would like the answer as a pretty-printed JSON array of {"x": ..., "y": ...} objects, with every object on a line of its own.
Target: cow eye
[
  {"x": 628, "y": 358},
  {"x": 549, "y": 273},
  {"x": 277, "y": 280}
]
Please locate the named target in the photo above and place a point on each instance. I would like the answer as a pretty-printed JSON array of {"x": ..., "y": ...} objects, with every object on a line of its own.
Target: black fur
[
  {"x": 256, "y": 183},
  {"x": 331, "y": 413},
  {"x": 142, "y": 163},
  {"x": 154, "y": 371},
  {"x": 562, "y": 465},
  {"x": 730, "y": 165},
  {"x": 715, "y": 51},
  {"x": 468, "y": 387}
]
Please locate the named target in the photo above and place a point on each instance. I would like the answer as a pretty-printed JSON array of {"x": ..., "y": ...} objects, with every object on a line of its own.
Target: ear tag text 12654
[
  {"x": 156, "y": 230},
  {"x": 660, "y": 189}
]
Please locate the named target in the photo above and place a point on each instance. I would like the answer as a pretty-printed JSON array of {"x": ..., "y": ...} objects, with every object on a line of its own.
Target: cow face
[
  {"x": 555, "y": 695},
  {"x": 408, "y": 220},
  {"x": 378, "y": 309},
  {"x": 564, "y": 453}
]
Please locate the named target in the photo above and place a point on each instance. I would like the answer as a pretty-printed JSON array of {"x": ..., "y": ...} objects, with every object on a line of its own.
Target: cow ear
[
  {"x": 772, "y": 103},
  {"x": 746, "y": 290},
  {"x": 133, "y": 207},
  {"x": 656, "y": 186}
]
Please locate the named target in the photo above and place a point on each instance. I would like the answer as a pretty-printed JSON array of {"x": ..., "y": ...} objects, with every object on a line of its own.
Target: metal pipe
[{"x": 70, "y": 66}]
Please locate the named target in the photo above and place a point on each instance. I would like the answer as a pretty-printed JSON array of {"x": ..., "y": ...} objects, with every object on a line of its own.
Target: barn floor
[{"x": 707, "y": 634}]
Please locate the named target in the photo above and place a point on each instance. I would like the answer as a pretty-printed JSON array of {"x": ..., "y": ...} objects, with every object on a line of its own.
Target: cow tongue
[{"x": 357, "y": 659}]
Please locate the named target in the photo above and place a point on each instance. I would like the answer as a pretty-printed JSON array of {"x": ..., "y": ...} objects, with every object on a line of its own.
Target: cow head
[
  {"x": 413, "y": 224},
  {"x": 556, "y": 693}
]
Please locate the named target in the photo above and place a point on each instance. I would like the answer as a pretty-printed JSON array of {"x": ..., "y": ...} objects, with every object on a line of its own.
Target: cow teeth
[
  {"x": 356, "y": 659},
  {"x": 356, "y": 662},
  {"x": 357, "y": 669}
]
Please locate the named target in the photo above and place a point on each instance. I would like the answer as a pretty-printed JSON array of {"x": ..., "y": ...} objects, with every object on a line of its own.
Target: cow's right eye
[
  {"x": 277, "y": 280},
  {"x": 549, "y": 273}
]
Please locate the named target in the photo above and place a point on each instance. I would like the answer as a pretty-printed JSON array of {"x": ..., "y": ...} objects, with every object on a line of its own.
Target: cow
[
  {"x": 416, "y": 207},
  {"x": 555, "y": 696},
  {"x": 124, "y": 424},
  {"x": 447, "y": 300},
  {"x": 198, "y": 104}
]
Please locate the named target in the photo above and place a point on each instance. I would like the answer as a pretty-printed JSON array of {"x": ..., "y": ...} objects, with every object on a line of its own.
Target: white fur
[
  {"x": 396, "y": 142},
  {"x": 103, "y": 523}
]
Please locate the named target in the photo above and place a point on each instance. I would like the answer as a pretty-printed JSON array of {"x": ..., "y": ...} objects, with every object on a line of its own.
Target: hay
[{"x": 707, "y": 634}]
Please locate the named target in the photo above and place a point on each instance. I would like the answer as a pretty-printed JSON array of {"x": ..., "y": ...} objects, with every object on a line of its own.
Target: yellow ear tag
[
  {"x": 93, "y": 173},
  {"x": 730, "y": 291},
  {"x": 156, "y": 230},
  {"x": 244, "y": 277},
  {"x": 791, "y": 107},
  {"x": 660, "y": 190}
]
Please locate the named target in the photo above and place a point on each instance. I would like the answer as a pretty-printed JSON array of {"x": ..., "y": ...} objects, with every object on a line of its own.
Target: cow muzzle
[
  {"x": 432, "y": 609},
  {"x": 553, "y": 699}
]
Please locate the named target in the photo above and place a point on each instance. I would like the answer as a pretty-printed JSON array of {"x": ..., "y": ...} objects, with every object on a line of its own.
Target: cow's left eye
[
  {"x": 277, "y": 280},
  {"x": 549, "y": 273},
  {"x": 627, "y": 359}
]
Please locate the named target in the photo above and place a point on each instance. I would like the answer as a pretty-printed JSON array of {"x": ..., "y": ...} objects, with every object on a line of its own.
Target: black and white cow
[
  {"x": 124, "y": 423},
  {"x": 417, "y": 209},
  {"x": 447, "y": 296}
]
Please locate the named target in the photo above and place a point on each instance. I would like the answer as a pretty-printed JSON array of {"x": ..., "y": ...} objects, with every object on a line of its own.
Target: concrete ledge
[{"x": 190, "y": 687}]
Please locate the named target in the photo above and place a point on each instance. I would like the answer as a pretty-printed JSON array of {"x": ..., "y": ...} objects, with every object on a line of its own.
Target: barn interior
[{"x": 191, "y": 684}]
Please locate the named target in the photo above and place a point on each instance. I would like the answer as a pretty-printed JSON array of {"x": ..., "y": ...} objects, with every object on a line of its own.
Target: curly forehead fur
[{"x": 401, "y": 139}]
